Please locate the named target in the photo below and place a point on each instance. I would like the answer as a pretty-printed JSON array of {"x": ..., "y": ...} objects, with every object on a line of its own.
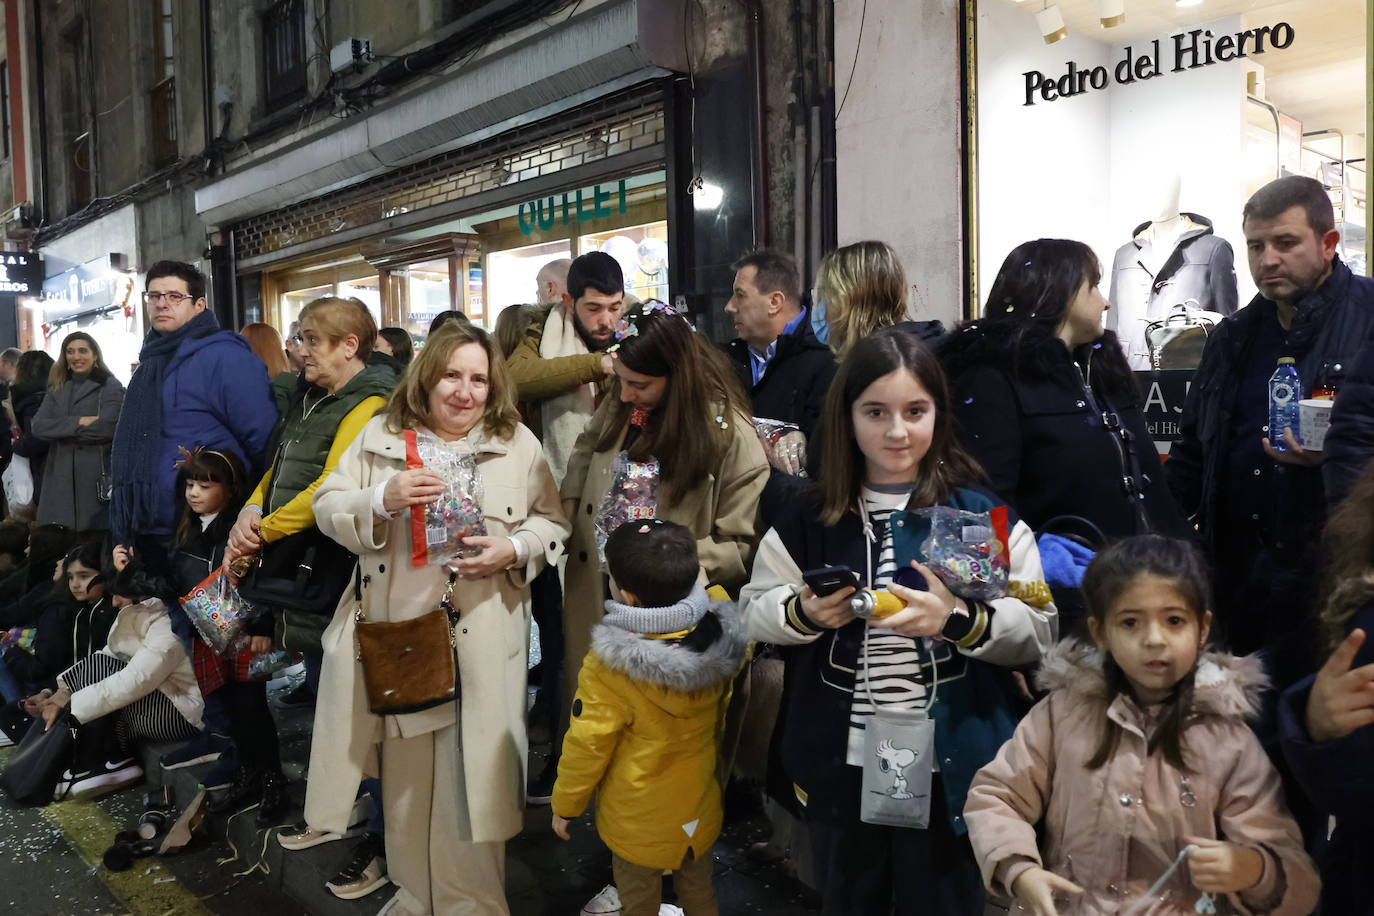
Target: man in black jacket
[
  {"x": 1260, "y": 510},
  {"x": 781, "y": 364}
]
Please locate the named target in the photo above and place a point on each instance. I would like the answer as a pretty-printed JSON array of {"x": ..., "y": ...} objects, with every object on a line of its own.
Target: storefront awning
[{"x": 533, "y": 72}]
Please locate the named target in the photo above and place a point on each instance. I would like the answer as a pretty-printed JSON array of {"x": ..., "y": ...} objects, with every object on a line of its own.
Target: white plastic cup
[{"x": 1314, "y": 418}]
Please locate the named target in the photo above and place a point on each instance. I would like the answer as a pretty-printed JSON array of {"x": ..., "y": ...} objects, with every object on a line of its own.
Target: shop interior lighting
[
  {"x": 1111, "y": 13},
  {"x": 1187, "y": 2},
  {"x": 1051, "y": 24}
]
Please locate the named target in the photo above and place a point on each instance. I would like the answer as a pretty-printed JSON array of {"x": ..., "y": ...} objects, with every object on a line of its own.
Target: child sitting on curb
[{"x": 650, "y": 700}]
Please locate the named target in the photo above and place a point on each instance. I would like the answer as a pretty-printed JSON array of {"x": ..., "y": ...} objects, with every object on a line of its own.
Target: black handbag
[
  {"x": 307, "y": 571},
  {"x": 38, "y": 763}
]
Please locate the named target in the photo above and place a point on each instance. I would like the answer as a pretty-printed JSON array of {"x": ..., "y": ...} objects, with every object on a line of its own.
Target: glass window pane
[
  {"x": 427, "y": 294},
  {"x": 511, "y": 275},
  {"x": 642, "y": 252}
]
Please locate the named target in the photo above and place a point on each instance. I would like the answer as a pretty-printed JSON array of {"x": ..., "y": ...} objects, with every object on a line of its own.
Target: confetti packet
[
  {"x": 633, "y": 496},
  {"x": 968, "y": 550},
  {"x": 437, "y": 529},
  {"x": 217, "y": 611},
  {"x": 772, "y": 431}
]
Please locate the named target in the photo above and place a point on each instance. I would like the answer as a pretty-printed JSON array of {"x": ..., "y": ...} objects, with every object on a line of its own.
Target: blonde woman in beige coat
[
  {"x": 452, "y": 775},
  {"x": 676, "y": 399}
]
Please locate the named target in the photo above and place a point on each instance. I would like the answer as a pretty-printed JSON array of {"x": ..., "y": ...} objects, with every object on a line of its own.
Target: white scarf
[{"x": 566, "y": 416}]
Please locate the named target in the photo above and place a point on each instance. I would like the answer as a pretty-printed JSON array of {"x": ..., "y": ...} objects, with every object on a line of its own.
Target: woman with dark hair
[
  {"x": 1044, "y": 399},
  {"x": 26, "y": 396},
  {"x": 890, "y": 454},
  {"x": 676, "y": 401},
  {"x": 77, "y": 419},
  {"x": 396, "y": 343},
  {"x": 138, "y": 687}
]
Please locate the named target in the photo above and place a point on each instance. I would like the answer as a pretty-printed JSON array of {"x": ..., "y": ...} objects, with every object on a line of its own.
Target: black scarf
[{"x": 137, "y": 447}]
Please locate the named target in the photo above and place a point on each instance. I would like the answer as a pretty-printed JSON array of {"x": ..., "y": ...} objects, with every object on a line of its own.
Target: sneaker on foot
[
  {"x": 221, "y": 775},
  {"x": 301, "y": 697},
  {"x": 107, "y": 776},
  {"x": 302, "y": 836},
  {"x": 539, "y": 791},
  {"x": 605, "y": 903},
  {"x": 204, "y": 748},
  {"x": 364, "y": 873}
]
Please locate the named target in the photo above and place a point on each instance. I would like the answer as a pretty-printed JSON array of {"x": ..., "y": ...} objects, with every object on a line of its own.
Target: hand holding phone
[{"x": 825, "y": 599}]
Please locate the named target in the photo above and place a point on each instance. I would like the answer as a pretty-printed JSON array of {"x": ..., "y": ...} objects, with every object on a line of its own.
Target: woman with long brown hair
[
  {"x": 267, "y": 346},
  {"x": 77, "y": 419}
]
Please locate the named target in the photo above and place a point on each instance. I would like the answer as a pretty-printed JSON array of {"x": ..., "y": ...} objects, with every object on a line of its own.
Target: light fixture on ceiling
[
  {"x": 1051, "y": 24},
  {"x": 1187, "y": 2},
  {"x": 1111, "y": 13}
]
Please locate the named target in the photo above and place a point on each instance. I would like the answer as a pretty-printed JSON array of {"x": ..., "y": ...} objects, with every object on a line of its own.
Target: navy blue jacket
[
  {"x": 1350, "y": 440},
  {"x": 793, "y": 385},
  {"x": 215, "y": 393},
  {"x": 1339, "y": 777},
  {"x": 975, "y": 709},
  {"x": 1330, "y": 325}
]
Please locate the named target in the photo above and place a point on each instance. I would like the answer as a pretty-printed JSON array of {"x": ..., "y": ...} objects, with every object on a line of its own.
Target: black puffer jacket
[
  {"x": 793, "y": 386},
  {"x": 26, "y": 401},
  {"x": 1023, "y": 410}
]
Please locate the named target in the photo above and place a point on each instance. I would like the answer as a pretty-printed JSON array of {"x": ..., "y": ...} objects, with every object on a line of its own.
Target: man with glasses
[{"x": 196, "y": 385}]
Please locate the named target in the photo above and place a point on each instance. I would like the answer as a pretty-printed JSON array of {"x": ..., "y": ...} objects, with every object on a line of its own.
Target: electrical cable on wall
[{"x": 863, "y": 15}]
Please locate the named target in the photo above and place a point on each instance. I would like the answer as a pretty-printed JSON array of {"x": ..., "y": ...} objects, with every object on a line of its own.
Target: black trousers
[
  {"x": 251, "y": 724},
  {"x": 546, "y": 606},
  {"x": 866, "y": 868}
]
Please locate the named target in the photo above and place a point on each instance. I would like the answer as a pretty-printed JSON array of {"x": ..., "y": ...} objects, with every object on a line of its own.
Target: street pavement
[{"x": 49, "y": 861}]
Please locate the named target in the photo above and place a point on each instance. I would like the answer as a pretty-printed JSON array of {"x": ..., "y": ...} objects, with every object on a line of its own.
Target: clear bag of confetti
[
  {"x": 217, "y": 611},
  {"x": 968, "y": 550},
  {"x": 633, "y": 496},
  {"x": 772, "y": 431},
  {"x": 437, "y": 529}
]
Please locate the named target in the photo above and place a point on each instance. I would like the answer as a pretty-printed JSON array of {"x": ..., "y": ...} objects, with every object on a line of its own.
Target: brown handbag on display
[{"x": 410, "y": 665}]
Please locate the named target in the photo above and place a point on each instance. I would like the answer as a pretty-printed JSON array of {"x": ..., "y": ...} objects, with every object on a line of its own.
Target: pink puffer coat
[{"x": 1115, "y": 830}]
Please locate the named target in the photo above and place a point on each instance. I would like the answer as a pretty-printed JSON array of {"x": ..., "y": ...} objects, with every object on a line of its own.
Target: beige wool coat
[
  {"x": 720, "y": 511},
  {"x": 519, "y": 499}
]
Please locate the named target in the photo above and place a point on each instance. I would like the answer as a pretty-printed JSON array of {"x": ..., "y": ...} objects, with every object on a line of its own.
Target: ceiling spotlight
[
  {"x": 1187, "y": 2},
  {"x": 1051, "y": 24},
  {"x": 1111, "y": 13}
]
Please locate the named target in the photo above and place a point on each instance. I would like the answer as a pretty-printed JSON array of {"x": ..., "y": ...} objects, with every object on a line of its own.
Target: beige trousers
[
  {"x": 437, "y": 874},
  {"x": 641, "y": 887}
]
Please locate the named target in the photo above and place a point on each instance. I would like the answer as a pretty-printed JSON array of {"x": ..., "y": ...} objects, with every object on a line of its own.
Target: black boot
[
  {"x": 243, "y": 791},
  {"x": 273, "y": 800}
]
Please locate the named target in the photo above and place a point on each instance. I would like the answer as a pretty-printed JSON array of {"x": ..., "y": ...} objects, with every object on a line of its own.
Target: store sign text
[
  {"x": 1191, "y": 50},
  {"x": 581, "y": 206},
  {"x": 21, "y": 274}
]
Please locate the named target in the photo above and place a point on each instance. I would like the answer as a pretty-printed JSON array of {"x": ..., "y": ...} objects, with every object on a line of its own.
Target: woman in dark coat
[
  {"x": 26, "y": 395},
  {"x": 1046, "y": 402},
  {"x": 77, "y": 419}
]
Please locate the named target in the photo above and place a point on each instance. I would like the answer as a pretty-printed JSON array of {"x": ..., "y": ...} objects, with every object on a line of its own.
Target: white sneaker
[
  {"x": 668, "y": 909},
  {"x": 605, "y": 903}
]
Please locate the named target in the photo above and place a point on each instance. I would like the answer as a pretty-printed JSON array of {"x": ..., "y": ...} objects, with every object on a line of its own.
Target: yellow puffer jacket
[{"x": 645, "y": 735}]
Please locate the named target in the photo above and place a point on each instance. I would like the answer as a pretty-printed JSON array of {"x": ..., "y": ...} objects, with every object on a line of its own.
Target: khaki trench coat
[
  {"x": 720, "y": 512},
  {"x": 518, "y": 499}
]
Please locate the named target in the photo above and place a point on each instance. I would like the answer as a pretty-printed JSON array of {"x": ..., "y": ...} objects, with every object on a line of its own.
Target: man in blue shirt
[{"x": 783, "y": 367}]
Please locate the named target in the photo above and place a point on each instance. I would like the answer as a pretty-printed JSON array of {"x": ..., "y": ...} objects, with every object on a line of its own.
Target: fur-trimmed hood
[
  {"x": 1346, "y": 599},
  {"x": 1226, "y": 686},
  {"x": 1031, "y": 353},
  {"x": 668, "y": 662}
]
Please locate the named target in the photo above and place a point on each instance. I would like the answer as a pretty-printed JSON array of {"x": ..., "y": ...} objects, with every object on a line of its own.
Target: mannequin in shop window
[{"x": 1173, "y": 259}]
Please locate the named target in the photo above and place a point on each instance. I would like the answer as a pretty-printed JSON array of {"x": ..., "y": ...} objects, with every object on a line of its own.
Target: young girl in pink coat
[{"x": 1154, "y": 795}]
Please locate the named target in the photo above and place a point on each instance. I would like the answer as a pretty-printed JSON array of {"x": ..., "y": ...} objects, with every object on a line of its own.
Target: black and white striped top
[{"x": 895, "y": 674}]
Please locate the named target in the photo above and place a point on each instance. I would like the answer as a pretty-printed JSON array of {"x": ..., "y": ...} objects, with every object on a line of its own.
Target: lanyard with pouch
[{"x": 899, "y": 744}]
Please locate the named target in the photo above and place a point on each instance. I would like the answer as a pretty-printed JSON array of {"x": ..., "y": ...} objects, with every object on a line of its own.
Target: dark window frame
[
  {"x": 5, "y": 105},
  {"x": 162, "y": 96},
  {"x": 285, "y": 76}
]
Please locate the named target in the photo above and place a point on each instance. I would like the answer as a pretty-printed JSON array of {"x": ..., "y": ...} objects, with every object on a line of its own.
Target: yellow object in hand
[{"x": 876, "y": 605}]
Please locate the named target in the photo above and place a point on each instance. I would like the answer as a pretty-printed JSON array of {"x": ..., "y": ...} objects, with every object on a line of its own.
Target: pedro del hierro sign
[{"x": 1198, "y": 48}]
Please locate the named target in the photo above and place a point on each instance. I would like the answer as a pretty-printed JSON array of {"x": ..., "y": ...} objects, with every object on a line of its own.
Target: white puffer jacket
[{"x": 154, "y": 658}]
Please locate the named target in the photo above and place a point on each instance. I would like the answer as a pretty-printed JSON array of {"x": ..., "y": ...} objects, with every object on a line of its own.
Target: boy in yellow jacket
[{"x": 646, "y": 720}]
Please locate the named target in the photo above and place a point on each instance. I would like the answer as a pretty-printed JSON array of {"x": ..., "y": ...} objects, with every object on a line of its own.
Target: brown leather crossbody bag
[{"x": 410, "y": 665}]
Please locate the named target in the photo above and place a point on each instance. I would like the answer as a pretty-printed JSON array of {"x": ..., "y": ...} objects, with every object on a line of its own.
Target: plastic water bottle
[{"x": 1285, "y": 391}]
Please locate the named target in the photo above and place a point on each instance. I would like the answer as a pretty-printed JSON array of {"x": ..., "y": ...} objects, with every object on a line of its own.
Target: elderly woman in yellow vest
[{"x": 454, "y": 772}]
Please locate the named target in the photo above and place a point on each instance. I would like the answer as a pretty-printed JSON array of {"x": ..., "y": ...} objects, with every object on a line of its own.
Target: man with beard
[
  {"x": 1259, "y": 510},
  {"x": 559, "y": 370}
]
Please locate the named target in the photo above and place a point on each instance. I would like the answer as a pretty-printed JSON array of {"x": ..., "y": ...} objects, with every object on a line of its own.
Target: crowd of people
[{"x": 1174, "y": 714}]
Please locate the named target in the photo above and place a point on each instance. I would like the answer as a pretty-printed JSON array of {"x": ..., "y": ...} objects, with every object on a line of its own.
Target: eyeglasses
[{"x": 172, "y": 299}]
